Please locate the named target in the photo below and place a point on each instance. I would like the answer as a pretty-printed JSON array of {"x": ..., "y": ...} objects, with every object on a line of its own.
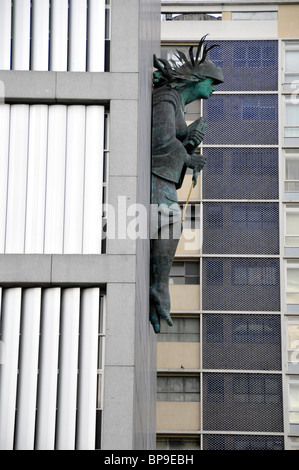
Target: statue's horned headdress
[{"x": 195, "y": 68}]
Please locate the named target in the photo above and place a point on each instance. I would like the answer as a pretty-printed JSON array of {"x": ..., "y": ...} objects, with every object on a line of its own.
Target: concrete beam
[
  {"x": 67, "y": 87},
  {"x": 78, "y": 270}
]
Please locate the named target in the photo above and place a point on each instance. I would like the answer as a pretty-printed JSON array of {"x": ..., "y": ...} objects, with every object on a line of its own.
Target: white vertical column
[
  {"x": 48, "y": 370},
  {"x": 4, "y": 150},
  {"x": 77, "y": 35},
  {"x": 59, "y": 35},
  {"x": 96, "y": 36},
  {"x": 5, "y": 34},
  {"x": 87, "y": 388},
  {"x": 21, "y": 35},
  {"x": 16, "y": 196},
  {"x": 36, "y": 179},
  {"x": 55, "y": 179},
  {"x": 92, "y": 226},
  {"x": 68, "y": 370},
  {"x": 40, "y": 35},
  {"x": 10, "y": 318},
  {"x": 74, "y": 190},
  {"x": 27, "y": 386}
]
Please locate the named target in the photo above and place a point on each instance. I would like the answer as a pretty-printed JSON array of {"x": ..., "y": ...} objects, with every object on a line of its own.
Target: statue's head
[{"x": 190, "y": 70}]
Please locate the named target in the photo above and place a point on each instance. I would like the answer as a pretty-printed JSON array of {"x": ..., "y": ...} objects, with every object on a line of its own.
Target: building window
[
  {"x": 185, "y": 272},
  {"x": 291, "y": 72},
  {"x": 254, "y": 275},
  {"x": 215, "y": 388},
  {"x": 292, "y": 226},
  {"x": 256, "y": 330},
  {"x": 215, "y": 329},
  {"x": 178, "y": 388},
  {"x": 214, "y": 273},
  {"x": 178, "y": 443},
  {"x": 293, "y": 342},
  {"x": 254, "y": 217},
  {"x": 294, "y": 400},
  {"x": 254, "y": 15},
  {"x": 291, "y": 127},
  {"x": 292, "y": 171},
  {"x": 292, "y": 289},
  {"x": 182, "y": 330},
  {"x": 255, "y": 389}
]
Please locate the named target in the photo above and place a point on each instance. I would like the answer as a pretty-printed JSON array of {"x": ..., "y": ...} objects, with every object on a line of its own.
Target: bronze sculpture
[{"x": 173, "y": 151}]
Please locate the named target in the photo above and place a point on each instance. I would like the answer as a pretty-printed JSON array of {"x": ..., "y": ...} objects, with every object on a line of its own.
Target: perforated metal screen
[
  {"x": 242, "y": 402},
  {"x": 241, "y": 228},
  {"x": 240, "y": 173},
  {"x": 240, "y": 284},
  {"x": 248, "y": 342},
  {"x": 242, "y": 442},
  {"x": 241, "y": 119},
  {"x": 247, "y": 65}
]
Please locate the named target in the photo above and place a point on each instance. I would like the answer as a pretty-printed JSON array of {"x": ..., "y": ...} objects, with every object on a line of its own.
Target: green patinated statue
[{"x": 173, "y": 151}]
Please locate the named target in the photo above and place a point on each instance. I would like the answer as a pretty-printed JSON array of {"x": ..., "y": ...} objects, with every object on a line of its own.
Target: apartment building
[
  {"x": 77, "y": 351},
  {"x": 228, "y": 370}
]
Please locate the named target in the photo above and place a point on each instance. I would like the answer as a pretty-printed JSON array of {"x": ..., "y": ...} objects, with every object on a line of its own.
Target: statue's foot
[
  {"x": 155, "y": 319},
  {"x": 160, "y": 305}
]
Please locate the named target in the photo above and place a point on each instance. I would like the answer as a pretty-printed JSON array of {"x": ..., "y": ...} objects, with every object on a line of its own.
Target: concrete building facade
[
  {"x": 78, "y": 355},
  {"x": 228, "y": 369}
]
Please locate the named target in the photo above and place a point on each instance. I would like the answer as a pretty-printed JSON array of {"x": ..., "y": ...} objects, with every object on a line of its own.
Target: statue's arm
[{"x": 164, "y": 138}]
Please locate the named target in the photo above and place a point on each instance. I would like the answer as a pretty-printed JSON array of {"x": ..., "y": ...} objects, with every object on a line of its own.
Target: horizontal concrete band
[
  {"x": 67, "y": 87},
  {"x": 66, "y": 269}
]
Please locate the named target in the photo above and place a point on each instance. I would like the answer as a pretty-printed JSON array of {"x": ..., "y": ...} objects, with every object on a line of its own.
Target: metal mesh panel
[
  {"x": 247, "y": 65},
  {"x": 241, "y": 120},
  {"x": 248, "y": 342},
  {"x": 240, "y": 173},
  {"x": 240, "y": 284},
  {"x": 242, "y": 442},
  {"x": 242, "y": 402},
  {"x": 240, "y": 228}
]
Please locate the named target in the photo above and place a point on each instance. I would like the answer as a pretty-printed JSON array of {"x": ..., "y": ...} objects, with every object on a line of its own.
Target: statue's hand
[
  {"x": 194, "y": 139},
  {"x": 197, "y": 162}
]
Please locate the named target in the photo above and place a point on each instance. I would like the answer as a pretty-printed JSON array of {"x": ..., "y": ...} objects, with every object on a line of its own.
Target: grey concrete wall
[
  {"x": 130, "y": 356},
  {"x": 145, "y": 338},
  {"x": 130, "y": 373}
]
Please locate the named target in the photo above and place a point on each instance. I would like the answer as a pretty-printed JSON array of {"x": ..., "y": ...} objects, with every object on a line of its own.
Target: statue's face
[{"x": 204, "y": 89}]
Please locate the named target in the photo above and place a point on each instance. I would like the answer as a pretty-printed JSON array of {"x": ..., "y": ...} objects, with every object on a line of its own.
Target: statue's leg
[{"x": 162, "y": 255}]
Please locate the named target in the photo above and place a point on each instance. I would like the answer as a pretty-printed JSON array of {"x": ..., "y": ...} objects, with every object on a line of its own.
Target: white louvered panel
[
  {"x": 28, "y": 369},
  {"x": 5, "y": 34},
  {"x": 87, "y": 389},
  {"x": 96, "y": 36},
  {"x": 47, "y": 389},
  {"x": 59, "y": 36},
  {"x": 40, "y": 35},
  {"x": 74, "y": 185},
  {"x": 93, "y": 176},
  {"x": 10, "y": 325},
  {"x": 4, "y": 149},
  {"x": 54, "y": 218},
  {"x": 36, "y": 179},
  {"x": 16, "y": 197},
  {"x": 21, "y": 35},
  {"x": 68, "y": 363},
  {"x": 77, "y": 36}
]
